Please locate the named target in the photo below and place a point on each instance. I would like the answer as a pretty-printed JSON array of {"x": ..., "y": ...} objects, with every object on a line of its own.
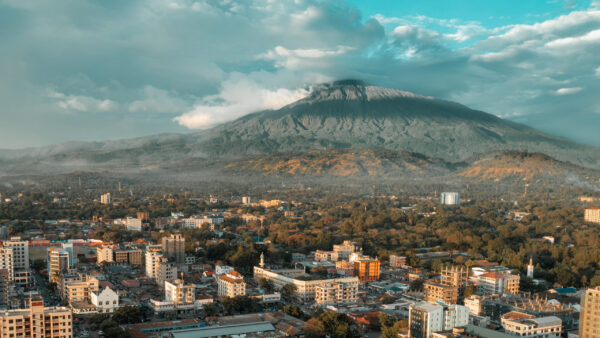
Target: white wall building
[
  {"x": 450, "y": 198},
  {"x": 526, "y": 325},
  {"x": 133, "y": 224},
  {"x": 20, "y": 252},
  {"x": 105, "y": 198},
  {"x": 106, "y": 301}
]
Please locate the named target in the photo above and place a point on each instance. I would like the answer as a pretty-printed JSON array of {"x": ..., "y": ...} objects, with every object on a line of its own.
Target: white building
[
  {"x": 7, "y": 261},
  {"x": 526, "y": 325},
  {"x": 246, "y": 200},
  {"x": 231, "y": 284},
  {"x": 450, "y": 198},
  {"x": 496, "y": 283},
  {"x": 425, "y": 319},
  {"x": 20, "y": 252},
  {"x": 105, "y": 198},
  {"x": 473, "y": 302},
  {"x": 592, "y": 215},
  {"x": 197, "y": 222},
  {"x": 133, "y": 224},
  {"x": 335, "y": 293},
  {"x": 222, "y": 269},
  {"x": 106, "y": 301},
  {"x": 152, "y": 258},
  {"x": 530, "y": 268}
]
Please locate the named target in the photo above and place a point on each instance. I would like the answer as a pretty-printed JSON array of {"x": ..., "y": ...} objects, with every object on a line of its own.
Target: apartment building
[
  {"x": 174, "y": 248},
  {"x": 20, "y": 252},
  {"x": 437, "y": 292},
  {"x": 231, "y": 284},
  {"x": 37, "y": 321},
  {"x": 397, "y": 261},
  {"x": 589, "y": 322},
  {"x": 367, "y": 269},
  {"x": 7, "y": 262},
  {"x": 336, "y": 293},
  {"x": 496, "y": 283},
  {"x": 526, "y": 325}
]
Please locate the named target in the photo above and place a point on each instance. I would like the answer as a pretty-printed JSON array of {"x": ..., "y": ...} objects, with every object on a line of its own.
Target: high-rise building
[
  {"x": 425, "y": 319},
  {"x": 143, "y": 215},
  {"x": 246, "y": 200},
  {"x": 6, "y": 288},
  {"x": 7, "y": 262},
  {"x": 105, "y": 198},
  {"x": 450, "y": 198},
  {"x": 592, "y": 215},
  {"x": 152, "y": 258},
  {"x": 367, "y": 269},
  {"x": 231, "y": 284},
  {"x": 165, "y": 271},
  {"x": 37, "y": 321},
  {"x": 104, "y": 254},
  {"x": 58, "y": 262},
  {"x": 20, "y": 252},
  {"x": 530, "y": 268},
  {"x": 174, "y": 248},
  {"x": 589, "y": 318},
  {"x": 473, "y": 302}
]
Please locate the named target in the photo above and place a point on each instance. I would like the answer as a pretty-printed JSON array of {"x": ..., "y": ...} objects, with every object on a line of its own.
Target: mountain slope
[{"x": 340, "y": 115}]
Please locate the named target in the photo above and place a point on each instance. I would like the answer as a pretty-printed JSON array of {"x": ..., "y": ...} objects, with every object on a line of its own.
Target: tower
[
  {"x": 262, "y": 260},
  {"x": 530, "y": 268}
]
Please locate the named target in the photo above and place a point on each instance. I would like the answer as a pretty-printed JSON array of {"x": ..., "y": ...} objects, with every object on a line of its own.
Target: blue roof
[{"x": 564, "y": 290}]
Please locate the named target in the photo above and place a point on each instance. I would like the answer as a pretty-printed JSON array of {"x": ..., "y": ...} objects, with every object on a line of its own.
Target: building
[
  {"x": 104, "y": 254},
  {"x": 450, "y": 198},
  {"x": 437, "y": 292},
  {"x": 305, "y": 287},
  {"x": 335, "y": 293},
  {"x": 80, "y": 290},
  {"x": 397, "y": 261},
  {"x": 367, "y": 269},
  {"x": 223, "y": 269},
  {"x": 592, "y": 215},
  {"x": 496, "y": 283},
  {"x": 7, "y": 262},
  {"x": 20, "y": 252},
  {"x": 496, "y": 306},
  {"x": 165, "y": 271},
  {"x": 345, "y": 249},
  {"x": 174, "y": 248},
  {"x": 179, "y": 293},
  {"x": 58, "y": 262},
  {"x": 198, "y": 222},
  {"x": 326, "y": 256},
  {"x": 37, "y": 321},
  {"x": 105, "y": 198},
  {"x": 128, "y": 256},
  {"x": 425, "y": 319},
  {"x": 473, "y": 302},
  {"x": 106, "y": 301},
  {"x": 143, "y": 215},
  {"x": 133, "y": 224},
  {"x": 6, "y": 288},
  {"x": 526, "y": 325},
  {"x": 589, "y": 318},
  {"x": 231, "y": 284},
  {"x": 246, "y": 200},
  {"x": 530, "y": 268},
  {"x": 152, "y": 257}
]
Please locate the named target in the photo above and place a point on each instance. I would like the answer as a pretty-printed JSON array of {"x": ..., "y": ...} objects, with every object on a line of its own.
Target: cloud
[
  {"x": 141, "y": 67},
  {"x": 237, "y": 97},
  {"x": 568, "y": 91}
]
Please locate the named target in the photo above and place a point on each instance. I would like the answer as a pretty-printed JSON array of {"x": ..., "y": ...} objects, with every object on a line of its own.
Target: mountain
[{"x": 342, "y": 115}]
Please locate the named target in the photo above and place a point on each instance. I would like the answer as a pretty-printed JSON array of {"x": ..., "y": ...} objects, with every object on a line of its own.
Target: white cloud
[
  {"x": 82, "y": 103},
  {"x": 598, "y": 71},
  {"x": 568, "y": 91},
  {"x": 237, "y": 97},
  {"x": 296, "y": 58},
  {"x": 577, "y": 41}
]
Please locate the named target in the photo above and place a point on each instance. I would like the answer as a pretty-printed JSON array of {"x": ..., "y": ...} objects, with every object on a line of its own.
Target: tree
[
  {"x": 314, "y": 329},
  {"x": 416, "y": 285},
  {"x": 128, "y": 314},
  {"x": 210, "y": 310},
  {"x": 266, "y": 285},
  {"x": 288, "y": 290}
]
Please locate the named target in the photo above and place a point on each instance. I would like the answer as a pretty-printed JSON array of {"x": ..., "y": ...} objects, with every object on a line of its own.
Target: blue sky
[{"x": 95, "y": 70}]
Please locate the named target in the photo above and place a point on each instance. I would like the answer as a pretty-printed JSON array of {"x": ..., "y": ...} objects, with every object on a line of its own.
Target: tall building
[
  {"x": 367, "y": 269},
  {"x": 246, "y": 200},
  {"x": 231, "y": 284},
  {"x": 165, "y": 271},
  {"x": 425, "y": 319},
  {"x": 589, "y": 318},
  {"x": 450, "y": 198},
  {"x": 347, "y": 248},
  {"x": 526, "y": 325},
  {"x": 20, "y": 252},
  {"x": 7, "y": 262},
  {"x": 592, "y": 215},
  {"x": 37, "y": 321},
  {"x": 105, "y": 198},
  {"x": 104, "y": 254},
  {"x": 143, "y": 215},
  {"x": 152, "y": 258},
  {"x": 174, "y": 248},
  {"x": 58, "y": 262},
  {"x": 530, "y": 268}
]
